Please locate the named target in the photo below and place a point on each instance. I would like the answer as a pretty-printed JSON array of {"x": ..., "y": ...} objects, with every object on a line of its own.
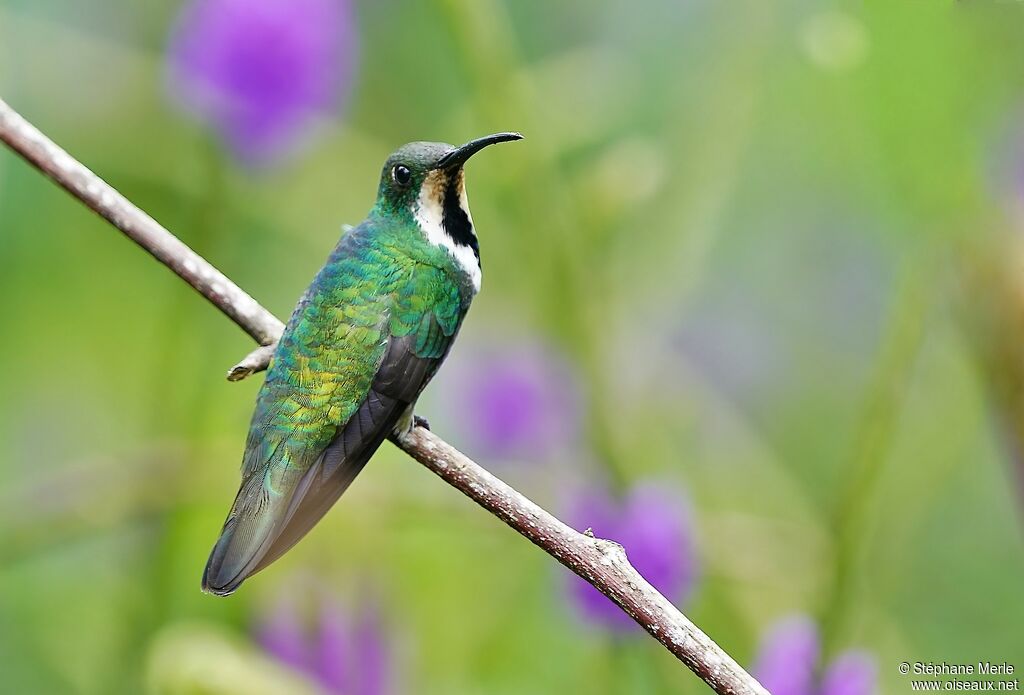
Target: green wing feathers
[{"x": 360, "y": 346}]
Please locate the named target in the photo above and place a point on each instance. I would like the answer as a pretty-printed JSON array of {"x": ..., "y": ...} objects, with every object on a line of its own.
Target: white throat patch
[{"x": 429, "y": 214}]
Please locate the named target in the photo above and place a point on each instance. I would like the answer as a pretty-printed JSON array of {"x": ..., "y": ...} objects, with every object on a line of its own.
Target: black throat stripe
[{"x": 456, "y": 221}]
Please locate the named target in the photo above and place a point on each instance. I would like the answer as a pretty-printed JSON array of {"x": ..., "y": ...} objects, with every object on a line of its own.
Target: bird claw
[{"x": 418, "y": 421}]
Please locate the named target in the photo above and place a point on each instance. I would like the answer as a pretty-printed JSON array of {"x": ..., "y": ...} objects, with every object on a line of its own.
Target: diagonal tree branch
[
  {"x": 97, "y": 194},
  {"x": 601, "y": 562}
]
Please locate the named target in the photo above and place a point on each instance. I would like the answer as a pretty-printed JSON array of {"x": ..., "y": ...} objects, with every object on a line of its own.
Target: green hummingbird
[{"x": 362, "y": 343}]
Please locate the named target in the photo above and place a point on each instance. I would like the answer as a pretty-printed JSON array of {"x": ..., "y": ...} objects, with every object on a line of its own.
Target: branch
[
  {"x": 255, "y": 361},
  {"x": 41, "y": 152},
  {"x": 601, "y": 562}
]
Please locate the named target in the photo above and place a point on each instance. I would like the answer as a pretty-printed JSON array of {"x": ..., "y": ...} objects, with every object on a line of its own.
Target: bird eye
[{"x": 401, "y": 175}]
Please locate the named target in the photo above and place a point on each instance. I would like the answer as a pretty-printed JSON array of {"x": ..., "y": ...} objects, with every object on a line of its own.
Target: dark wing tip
[
  {"x": 247, "y": 533},
  {"x": 220, "y": 586},
  {"x": 217, "y": 579}
]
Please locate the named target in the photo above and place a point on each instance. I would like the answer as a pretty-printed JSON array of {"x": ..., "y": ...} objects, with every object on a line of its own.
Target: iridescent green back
[
  {"x": 380, "y": 281},
  {"x": 363, "y": 341}
]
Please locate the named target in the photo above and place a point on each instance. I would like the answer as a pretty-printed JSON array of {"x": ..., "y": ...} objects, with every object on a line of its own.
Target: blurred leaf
[{"x": 199, "y": 659}]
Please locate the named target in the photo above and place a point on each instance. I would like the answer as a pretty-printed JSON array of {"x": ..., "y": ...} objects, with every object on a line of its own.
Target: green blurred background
[{"x": 778, "y": 245}]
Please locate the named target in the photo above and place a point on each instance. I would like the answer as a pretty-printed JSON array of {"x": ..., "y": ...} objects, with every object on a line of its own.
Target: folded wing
[{"x": 290, "y": 483}]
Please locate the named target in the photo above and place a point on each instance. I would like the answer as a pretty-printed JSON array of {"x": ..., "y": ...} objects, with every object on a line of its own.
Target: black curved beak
[{"x": 457, "y": 157}]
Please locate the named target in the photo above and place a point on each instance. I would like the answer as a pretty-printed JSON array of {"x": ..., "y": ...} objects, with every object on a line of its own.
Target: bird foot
[{"x": 418, "y": 421}]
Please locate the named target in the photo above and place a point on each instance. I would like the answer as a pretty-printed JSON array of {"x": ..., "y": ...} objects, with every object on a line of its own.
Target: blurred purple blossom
[
  {"x": 788, "y": 657},
  {"x": 258, "y": 71},
  {"x": 344, "y": 655},
  {"x": 516, "y": 401},
  {"x": 333, "y": 650},
  {"x": 788, "y": 661},
  {"x": 653, "y": 524},
  {"x": 281, "y": 633},
  {"x": 851, "y": 673}
]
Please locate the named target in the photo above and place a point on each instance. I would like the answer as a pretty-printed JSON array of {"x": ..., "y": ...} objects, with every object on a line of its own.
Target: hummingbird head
[{"x": 425, "y": 181}]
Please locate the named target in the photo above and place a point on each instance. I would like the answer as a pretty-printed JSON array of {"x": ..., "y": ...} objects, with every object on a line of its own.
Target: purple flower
[
  {"x": 653, "y": 524},
  {"x": 851, "y": 673},
  {"x": 788, "y": 657},
  {"x": 516, "y": 401},
  {"x": 787, "y": 663},
  {"x": 333, "y": 649},
  {"x": 258, "y": 71},
  {"x": 345, "y": 655},
  {"x": 371, "y": 655}
]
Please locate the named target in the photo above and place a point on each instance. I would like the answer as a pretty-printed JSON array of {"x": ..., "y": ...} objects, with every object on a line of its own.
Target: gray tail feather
[{"x": 260, "y": 529}]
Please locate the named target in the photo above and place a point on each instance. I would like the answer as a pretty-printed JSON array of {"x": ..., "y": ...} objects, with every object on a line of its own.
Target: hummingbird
[{"x": 363, "y": 341}]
